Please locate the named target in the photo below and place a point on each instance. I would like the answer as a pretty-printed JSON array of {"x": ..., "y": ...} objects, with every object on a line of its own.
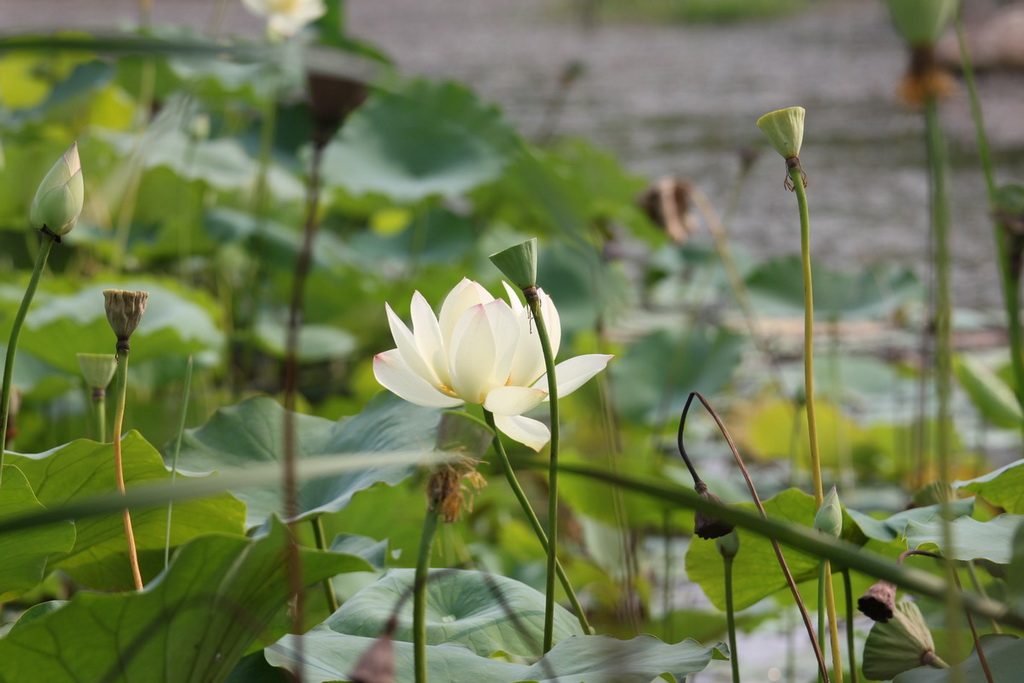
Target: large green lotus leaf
[
  {"x": 252, "y": 431},
  {"x": 894, "y": 526},
  {"x": 972, "y": 540},
  {"x": 330, "y": 656},
  {"x": 485, "y": 612},
  {"x": 193, "y": 623},
  {"x": 989, "y": 394},
  {"x": 656, "y": 374},
  {"x": 99, "y": 559},
  {"x": 756, "y": 571},
  {"x": 24, "y": 554},
  {"x": 426, "y": 138},
  {"x": 316, "y": 342},
  {"x": 59, "y": 325},
  {"x": 1003, "y": 653},
  {"x": 776, "y": 289},
  {"x": 1003, "y": 487}
]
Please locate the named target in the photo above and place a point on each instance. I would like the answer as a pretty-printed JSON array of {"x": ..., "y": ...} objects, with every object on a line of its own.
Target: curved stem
[
  {"x": 793, "y": 589},
  {"x": 731, "y": 621},
  {"x": 533, "y": 300},
  {"x": 12, "y": 344},
  {"x": 797, "y": 176},
  {"x": 122, "y": 393},
  {"x": 531, "y": 516},
  {"x": 419, "y": 596},
  {"x": 321, "y": 543}
]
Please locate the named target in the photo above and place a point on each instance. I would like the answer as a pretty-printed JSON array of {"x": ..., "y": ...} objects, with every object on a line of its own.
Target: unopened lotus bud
[
  {"x": 729, "y": 545},
  {"x": 97, "y": 369},
  {"x": 829, "y": 519},
  {"x": 519, "y": 263},
  {"x": 921, "y": 22},
  {"x": 879, "y": 602},
  {"x": 900, "y": 644},
  {"x": 785, "y": 130},
  {"x": 124, "y": 311},
  {"x": 704, "y": 525},
  {"x": 59, "y": 199}
]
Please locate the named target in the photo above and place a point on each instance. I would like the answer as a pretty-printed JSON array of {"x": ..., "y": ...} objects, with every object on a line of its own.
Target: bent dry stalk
[{"x": 124, "y": 312}]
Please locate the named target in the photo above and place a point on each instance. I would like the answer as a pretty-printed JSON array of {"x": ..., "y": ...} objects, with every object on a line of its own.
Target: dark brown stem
[{"x": 822, "y": 668}]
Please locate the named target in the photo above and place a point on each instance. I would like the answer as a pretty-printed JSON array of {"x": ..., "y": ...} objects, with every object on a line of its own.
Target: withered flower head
[
  {"x": 124, "y": 312},
  {"x": 900, "y": 644},
  {"x": 705, "y": 525},
  {"x": 879, "y": 601},
  {"x": 667, "y": 203}
]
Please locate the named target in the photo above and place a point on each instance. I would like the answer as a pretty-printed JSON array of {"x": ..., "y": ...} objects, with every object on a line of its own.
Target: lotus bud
[
  {"x": 704, "y": 525},
  {"x": 124, "y": 312},
  {"x": 519, "y": 263},
  {"x": 900, "y": 644},
  {"x": 785, "y": 130},
  {"x": 921, "y": 22},
  {"x": 728, "y": 545},
  {"x": 58, "y": 201},
  {"x": 97, "y": 369},
  {"x": 829, "y": 519},
  {"x": 879, "y": 602}
]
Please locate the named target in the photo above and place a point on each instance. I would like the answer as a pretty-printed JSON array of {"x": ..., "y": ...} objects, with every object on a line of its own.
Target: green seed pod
[
  {"x": 785, "y": 130},
  {"x": 61, "y": 194},
  {"x": 829, "y": 519},
  {"x": 97, "y": 368},
  {"x": 519, "y": 263},
  {"x": 124, "y": 312},
  {"x": 900, "y": 644},
  {"x": 921, "y": 22},
  {"x": 729, "y": 544}
]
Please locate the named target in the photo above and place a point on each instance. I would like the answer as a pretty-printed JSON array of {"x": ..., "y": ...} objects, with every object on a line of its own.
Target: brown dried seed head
[
  {"x": 705, "y": 525},
  {"x": 124, "y": 312},
  {"x": 879, "y": 601}
]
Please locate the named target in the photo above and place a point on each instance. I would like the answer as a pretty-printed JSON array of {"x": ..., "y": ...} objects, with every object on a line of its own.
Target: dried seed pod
[
  {"x": 706, "y": 526},
  {"x": 879, "y": 602},
  {"x": 124, "y": 312}
]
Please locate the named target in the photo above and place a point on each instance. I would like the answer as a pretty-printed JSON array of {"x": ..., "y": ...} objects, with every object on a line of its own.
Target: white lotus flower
[
  {"x": 287, "y": 17},
  {"x": 480, "y": 350}
]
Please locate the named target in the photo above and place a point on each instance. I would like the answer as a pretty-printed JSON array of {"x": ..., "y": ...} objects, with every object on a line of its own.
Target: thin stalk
[
  {"x": 531, "y": 516},
  {"x": 974, "y": 631},
  {"x": 793, "y": 589},
  {"x": 976, "y": 582},
  {"x": 943, "y": 328},
  {"x": 99, "y": 412},
  {"x": 533, "y": 300},
  {"x": 822, "y": 568},
  {"x": 1010, "y": 286},
  {"x": 419, "y": 596},
  {"x": 730, "y": 618},
  {"x": 797, "y": 177},
  {"x": 122, "y": 394},
  {"x": 12, "y": 343},
  {"x": 321, "y": 543},
  {"x": 850, "y": 644},
  {"x": 666, "y": 574},
  {"x": 185, "y": 392}
]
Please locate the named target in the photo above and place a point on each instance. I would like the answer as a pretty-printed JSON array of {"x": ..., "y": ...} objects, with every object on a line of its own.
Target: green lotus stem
[
  {"x": 533, "y": 300},
  {"x": 850, "y": 644},
  {"x": 1010, "y": 287},
  {"x": 810, "y": 541},
  {"x": 531, "y": 516},
  {"x": 797, "y": 178},
  {"x": 976, "y": 582},
  {"x": 12, "y": 344},
  {"x": 730, "y": 617},
  {"x": 99, "y": 413},
  {"x": 122, "y": 394},
  {"x": 419, "y": 596},
  {"x": 186, "y": 390},
  {"x": 321, "y": 544}
]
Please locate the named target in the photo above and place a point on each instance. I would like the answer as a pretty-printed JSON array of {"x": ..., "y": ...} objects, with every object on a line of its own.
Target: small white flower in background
[
  {"x": 287, "y": 17},
  {"x": 480, "y": 350}
]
